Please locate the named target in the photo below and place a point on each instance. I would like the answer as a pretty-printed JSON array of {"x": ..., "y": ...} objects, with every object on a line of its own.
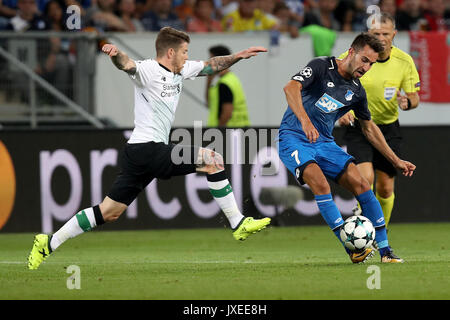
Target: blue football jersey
[{"x": 326, "y": 97}]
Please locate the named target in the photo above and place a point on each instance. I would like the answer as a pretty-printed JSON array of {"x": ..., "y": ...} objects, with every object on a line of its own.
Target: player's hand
[
  {"x": 406, "y": 167},
  {"x": 347, "y": 119},
  {"x": 311, "y": 132},
  {"x": 402, "y": 101},
  {"x": 110, "y": 49},
  {"x": 250, "y": 52}
]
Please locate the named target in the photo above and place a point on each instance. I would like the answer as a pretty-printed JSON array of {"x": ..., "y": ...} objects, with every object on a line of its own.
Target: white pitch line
[{"x": 153, "y": 262}]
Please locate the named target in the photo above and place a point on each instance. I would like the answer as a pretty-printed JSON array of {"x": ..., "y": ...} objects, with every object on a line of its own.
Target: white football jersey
[{"x": 156, "y": 94}]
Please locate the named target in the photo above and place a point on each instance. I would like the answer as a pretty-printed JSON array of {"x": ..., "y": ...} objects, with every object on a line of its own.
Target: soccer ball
[{"x": 357, "y": 233}]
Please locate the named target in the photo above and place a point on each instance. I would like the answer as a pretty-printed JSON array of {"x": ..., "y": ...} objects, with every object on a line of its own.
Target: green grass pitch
[{"x": 208, "y": 264}]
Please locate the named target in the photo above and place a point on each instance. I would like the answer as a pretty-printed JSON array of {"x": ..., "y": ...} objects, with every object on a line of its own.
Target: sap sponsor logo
[{"x": 328, "y": 104}]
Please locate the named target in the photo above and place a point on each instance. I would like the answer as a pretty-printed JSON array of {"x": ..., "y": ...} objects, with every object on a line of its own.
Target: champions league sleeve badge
[{"x": 306, "y": 72}]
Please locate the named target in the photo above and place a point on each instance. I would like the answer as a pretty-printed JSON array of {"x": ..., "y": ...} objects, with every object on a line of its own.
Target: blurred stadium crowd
[
  {"x": 221, "y": 15},
  {"x": 53, "y": 57}
]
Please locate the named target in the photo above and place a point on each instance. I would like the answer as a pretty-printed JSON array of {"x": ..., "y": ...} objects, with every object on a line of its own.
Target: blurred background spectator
[
  {"x": 161, "y": 15},
  {"x": 435, "y": 16},
  {"x": 126, "y": 12},
  {"x": 6, "y": 13},
  {"x": 344, "y": 13},
  {"x": 101, "y": 16},
  {"x": 297, "y": 9},
  {"x": 359, "y": 16},
  {"x": 234, "y": 15},
  {"x": 203, "y": 20},
  {"x": 388, "y": 6},
  {"x": 248, "y": 18},
  {"x": 224, "y": 7},
  {"x": 323, "y": 15},
  {"x": 142, "y": 6},
  {"x": 27, "y": 17},
  {"x": 185, "y": 10},
  {"x": 411, "y": 17},
  {"x": 225, "y": 96},
  {"x": 267, "y": 6},
  {"x": 287, "y": 22},
  {"x": 14, "y": 4},
  {"x": 82, "y": 4},
  {"x": 54, "y": 65}
]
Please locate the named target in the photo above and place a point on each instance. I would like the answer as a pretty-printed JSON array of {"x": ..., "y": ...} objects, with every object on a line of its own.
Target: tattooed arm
[
  {"x": 219, "y": 63},
  {"x": 120, "y": 59}
]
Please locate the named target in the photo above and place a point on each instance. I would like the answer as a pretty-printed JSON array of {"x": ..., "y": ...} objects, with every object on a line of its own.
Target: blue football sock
[
  {"x": 372, "y": 210},
  {"x": 331, "y": 214}
]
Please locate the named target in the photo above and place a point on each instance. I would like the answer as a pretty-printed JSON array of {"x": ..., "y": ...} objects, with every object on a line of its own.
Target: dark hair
[
  {"x": 169, "y": 37},
  {"x": 279, "y": 6},
  {"x": 368, "y": 39},
  {"x": 219, "y": 50},
  {"x": 198, "y": 2},
  {"x": 46, "y": 12}
]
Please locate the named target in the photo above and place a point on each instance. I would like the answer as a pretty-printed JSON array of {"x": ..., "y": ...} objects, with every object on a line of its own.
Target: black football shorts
[
  {"x": 363, "y": 151},
  {"x": 140, "y": 163}
]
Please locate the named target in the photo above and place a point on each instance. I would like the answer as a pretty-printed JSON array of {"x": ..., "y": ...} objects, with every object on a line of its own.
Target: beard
[{"x": 357, "y": 74}]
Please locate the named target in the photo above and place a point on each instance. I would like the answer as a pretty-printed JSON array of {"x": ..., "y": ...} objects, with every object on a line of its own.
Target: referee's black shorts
[
  {"x": 363, "y": 151},
  {"x": 140, "y": 163}
]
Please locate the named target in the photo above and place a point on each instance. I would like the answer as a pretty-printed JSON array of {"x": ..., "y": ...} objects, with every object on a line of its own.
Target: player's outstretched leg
[
  {"x": 390, "y": 257},
  {"x": 249, "y": 226},
  {"x": 333, "y": 217},
  {"x": 222, "y": 192},
  {"x": 353, "y": 181},
  {"x": 372, "y": 210},
  {"x": 362, "y": 257},
  {"x": 40, "y": 251},
  {"x": 212, "y": 163},
  {"x": 44, "y": 244},
  {"x": 358, "y": 212},
  {"x": 314, "y": 177}
]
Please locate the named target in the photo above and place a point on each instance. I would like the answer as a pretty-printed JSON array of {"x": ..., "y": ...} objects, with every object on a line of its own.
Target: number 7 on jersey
[{"x": 295, "y": 155}]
